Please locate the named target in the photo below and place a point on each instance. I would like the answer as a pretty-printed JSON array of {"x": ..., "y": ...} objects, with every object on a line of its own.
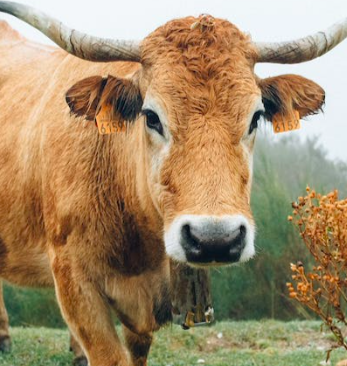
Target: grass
[{"x": 246, "y": 343}]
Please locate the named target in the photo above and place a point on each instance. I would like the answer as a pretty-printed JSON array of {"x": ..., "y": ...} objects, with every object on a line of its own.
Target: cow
[{"x": 98, "y": 217}]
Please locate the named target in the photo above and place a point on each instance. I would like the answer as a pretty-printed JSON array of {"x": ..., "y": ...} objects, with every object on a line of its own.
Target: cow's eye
[
  {"x": 255, "y": 120},
  {"x": 153, "y": 121}
]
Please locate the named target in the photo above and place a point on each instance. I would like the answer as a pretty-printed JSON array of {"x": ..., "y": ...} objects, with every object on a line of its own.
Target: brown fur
[
  {"x": 88, "y": 210},
  {"x": 87, "y": 96},
  {"x": 138, "y": 345},
  {"x": 75, "y": 347},
  {"x": 285, "y": 93},
  {"x": 84, "y": 97}
]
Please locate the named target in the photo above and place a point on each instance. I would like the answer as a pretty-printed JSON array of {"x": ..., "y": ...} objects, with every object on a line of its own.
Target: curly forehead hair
[
  {"x": 202, "y": 63},
  {"x": 188, "y": 39}
]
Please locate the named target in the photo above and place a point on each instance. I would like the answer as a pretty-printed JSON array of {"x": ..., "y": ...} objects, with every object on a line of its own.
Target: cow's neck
[{"x": 142, "y": 224}]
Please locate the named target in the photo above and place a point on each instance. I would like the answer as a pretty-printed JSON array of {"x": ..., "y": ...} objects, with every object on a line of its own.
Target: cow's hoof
[
  {"x": 5, "y": 344},
  {"x": 80, "y": 361}
]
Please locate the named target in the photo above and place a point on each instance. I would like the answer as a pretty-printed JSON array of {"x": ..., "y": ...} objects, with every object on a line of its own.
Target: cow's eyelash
[{"x": 255, "y": 120}]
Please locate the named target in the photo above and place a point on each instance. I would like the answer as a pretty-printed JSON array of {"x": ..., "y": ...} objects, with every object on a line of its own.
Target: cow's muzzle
[{"x": 210, "y": 239}]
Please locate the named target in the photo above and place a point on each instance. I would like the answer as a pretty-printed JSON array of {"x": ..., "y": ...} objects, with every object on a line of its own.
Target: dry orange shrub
[{"x": 322, "y": 222}]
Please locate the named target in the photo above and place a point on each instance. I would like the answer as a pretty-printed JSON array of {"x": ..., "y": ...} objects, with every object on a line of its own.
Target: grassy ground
[{"x": 265, "y": 343}]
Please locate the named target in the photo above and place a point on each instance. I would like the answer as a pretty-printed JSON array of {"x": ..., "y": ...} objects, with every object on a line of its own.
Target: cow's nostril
[
  {"x": 242, "y": 231},
  {"x": 213, "y": 241},
  {"x": 189, "y": 238}
]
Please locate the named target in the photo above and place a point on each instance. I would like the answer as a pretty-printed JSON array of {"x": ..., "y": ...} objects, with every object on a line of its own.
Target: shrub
[{"x": 322, "y": 223}]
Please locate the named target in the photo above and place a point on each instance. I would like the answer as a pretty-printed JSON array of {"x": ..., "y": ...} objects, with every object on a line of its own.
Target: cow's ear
[
  {"x": 86, "y": 97},
  {"x": 286, "y": 94}
]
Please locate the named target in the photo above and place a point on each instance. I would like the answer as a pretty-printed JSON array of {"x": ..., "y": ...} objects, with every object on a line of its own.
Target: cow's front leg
[
  {"x": 80, "y": 358},
  {"x": 138, "y": 346},
  {"x": 87, "y": 313},
  {"x": 5, "y": 340}
]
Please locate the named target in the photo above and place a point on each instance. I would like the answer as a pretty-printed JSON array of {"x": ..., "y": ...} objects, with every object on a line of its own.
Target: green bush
[{"x": 32, "y": 307}]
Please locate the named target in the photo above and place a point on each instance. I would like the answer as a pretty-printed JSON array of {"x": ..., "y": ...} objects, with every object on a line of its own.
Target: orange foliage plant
[{"x": 322, "y": 222}]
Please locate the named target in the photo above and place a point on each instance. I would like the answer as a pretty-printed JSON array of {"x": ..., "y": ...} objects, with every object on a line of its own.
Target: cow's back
[{"x": 44, "y": 152}]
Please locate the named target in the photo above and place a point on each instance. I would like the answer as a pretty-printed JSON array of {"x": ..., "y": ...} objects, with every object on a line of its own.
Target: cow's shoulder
[{"x": 8, "y": 33}]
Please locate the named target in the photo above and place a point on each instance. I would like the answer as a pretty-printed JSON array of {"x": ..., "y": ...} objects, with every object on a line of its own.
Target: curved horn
[
  {"x": 303, "y": 49},
  {"x": 79, "y": 44}
]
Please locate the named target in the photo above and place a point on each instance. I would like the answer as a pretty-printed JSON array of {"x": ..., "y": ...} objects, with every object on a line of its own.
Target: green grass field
[{"x": 246, "y": 343}]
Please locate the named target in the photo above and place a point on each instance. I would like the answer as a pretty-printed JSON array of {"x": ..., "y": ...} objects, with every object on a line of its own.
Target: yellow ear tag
[
  {"x": 106, "y": 122},
  {"x": 284, "y": 123}
]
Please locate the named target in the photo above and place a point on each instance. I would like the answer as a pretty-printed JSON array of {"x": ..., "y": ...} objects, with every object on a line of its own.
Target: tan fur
[{"x": 86, "y": 212}]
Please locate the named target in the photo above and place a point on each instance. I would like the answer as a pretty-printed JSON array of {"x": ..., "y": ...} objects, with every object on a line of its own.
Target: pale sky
[{"x": 265, "y": 20}]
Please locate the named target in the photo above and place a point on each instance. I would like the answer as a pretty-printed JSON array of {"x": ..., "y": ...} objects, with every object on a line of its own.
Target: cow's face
[{"x": 200, "y": 104}]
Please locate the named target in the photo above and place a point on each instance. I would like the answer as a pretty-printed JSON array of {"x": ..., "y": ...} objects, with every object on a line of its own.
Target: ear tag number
[
  {"x": 284, "y": 123},
  {"x": 106, "y": 122}
]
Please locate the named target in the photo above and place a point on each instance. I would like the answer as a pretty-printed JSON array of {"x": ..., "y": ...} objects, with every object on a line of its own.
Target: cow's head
[{"x": 201, "y": 103}]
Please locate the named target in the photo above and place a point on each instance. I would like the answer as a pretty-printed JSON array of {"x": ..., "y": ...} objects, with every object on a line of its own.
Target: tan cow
[{"x": 95, "y": 215}]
